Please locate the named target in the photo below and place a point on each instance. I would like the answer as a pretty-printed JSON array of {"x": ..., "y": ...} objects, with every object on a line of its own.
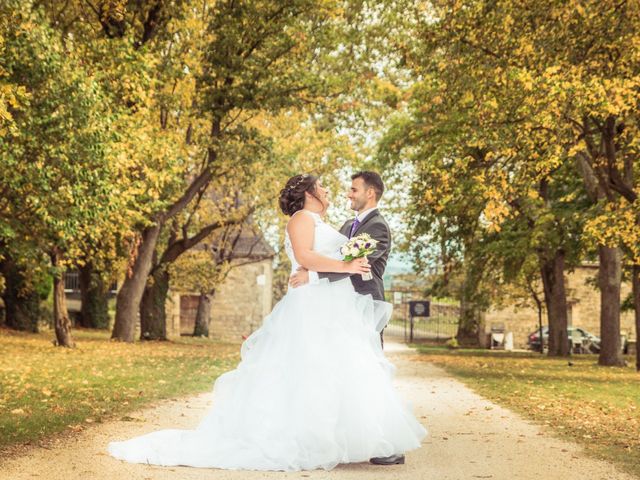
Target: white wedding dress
[{"x": 313, "y": 389}]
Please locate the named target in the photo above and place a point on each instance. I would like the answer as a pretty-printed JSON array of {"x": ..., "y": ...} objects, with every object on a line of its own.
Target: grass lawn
[
  {"x": 598, "y": 407},
  {"x": 46, "y": 389}
]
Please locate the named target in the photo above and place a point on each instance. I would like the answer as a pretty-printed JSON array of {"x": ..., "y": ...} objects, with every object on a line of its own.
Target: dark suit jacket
[{"x": 375, "y": 225}]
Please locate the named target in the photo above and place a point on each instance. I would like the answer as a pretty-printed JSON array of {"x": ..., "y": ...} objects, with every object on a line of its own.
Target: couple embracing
[{"x": 313, "y": 388}]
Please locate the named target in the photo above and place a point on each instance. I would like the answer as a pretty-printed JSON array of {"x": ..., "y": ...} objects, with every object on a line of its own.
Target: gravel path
[{"x": 469, "y": 438}]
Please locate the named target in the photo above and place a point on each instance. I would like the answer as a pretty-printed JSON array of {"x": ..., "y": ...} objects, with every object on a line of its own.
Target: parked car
[{"x": 580, "y": 340}]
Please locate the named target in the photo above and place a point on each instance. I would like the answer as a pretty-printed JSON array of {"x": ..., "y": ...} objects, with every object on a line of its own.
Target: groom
[{"x": 365, "y": 193}]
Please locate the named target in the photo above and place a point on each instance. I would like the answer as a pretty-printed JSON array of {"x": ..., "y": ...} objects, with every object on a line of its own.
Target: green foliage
[
  {"x": 57, "y": 180},
  {"x": 113, "y": 112},
  {"x": 506, "y": 97}
]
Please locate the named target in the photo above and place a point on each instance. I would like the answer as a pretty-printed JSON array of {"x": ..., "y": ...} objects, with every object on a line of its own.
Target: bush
[{"x": 452, "y": 343}]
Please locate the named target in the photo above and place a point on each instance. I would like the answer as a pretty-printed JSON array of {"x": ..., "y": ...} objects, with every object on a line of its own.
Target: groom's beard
[{"x": 357, "y": 206}]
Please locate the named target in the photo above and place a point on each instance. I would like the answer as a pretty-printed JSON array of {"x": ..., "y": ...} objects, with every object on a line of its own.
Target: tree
[
  {"x": 22, "y": 294},
  {"x": 528, "y": 75},
  {"x": 56, "y": 158},
  {"x": 222, "y": 215},
  {"x": 241, "y": 73},
  {"x": 94, "y": 290}
]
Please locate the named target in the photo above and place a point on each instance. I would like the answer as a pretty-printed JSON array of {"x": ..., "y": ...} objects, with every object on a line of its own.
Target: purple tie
[{"x": 354, "y": 227}]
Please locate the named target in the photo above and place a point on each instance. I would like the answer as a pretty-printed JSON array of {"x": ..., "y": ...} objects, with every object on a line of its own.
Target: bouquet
[{"x": 357, "y": 247}]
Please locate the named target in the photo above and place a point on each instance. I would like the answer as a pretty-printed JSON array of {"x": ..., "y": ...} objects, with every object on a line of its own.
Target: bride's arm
[{"x": 301, "y": 229}]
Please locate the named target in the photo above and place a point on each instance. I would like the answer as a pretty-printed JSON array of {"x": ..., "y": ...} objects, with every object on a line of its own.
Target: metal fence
[
  {"x": 72, "y": 283},
  {"x": 441, "y": 325}
]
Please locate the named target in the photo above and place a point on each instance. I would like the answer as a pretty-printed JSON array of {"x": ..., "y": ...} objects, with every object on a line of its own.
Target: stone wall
[
  {"x": 240, "y": 303},
  {"x": 584, "y": 309},
  {"x": 172, "y": 308}
]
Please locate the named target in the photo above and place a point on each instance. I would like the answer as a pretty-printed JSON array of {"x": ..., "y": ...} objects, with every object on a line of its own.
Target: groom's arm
[
  {"x": 379, "y": 231},
  {"x": 314, "y": 277}
]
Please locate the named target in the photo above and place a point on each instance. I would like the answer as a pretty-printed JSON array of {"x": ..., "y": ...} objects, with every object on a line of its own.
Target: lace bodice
[{"x": 326, "y": 241}]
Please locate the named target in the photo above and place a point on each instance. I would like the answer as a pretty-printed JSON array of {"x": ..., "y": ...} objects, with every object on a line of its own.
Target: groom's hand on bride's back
[{"x": 299, "y": 278}]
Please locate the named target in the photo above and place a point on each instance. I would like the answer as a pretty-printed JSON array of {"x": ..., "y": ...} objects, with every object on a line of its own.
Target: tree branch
[
  {"x": 588, "y": 175},
  {"x": 177, "y": 248}
]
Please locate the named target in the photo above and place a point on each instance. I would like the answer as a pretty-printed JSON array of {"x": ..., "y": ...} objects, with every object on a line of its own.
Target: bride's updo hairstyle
[{"x": 292, "y": 195}]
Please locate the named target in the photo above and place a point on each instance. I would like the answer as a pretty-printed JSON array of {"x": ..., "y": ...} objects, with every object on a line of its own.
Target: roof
[
  {"x": 252, "y": 245},
  {"x": 247, "y": 240}
]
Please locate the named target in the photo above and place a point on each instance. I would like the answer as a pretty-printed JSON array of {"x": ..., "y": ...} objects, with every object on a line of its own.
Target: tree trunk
[
  {"x": 203, "y": 315},
  {"x": 636, "y": 304},
  {"x": 130, "y": 294},
  {"x": 153, "y": 316},
  {"x": 609, "y": 278},
  {"x": 61, "y": 323},
  {"x": 21, "y": 303},
  {"x": 555, "y": 298},
  {"x": 94, "y": 312},
  {"x": 470, "y": 318},
  {"x": 482, "y": 339},
  {"x": 468, "y": 327},
  {"x": 536, "y": 298}
]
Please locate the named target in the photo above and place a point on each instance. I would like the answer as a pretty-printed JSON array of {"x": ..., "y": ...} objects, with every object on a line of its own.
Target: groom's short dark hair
[{"x": 371, "y": 179}]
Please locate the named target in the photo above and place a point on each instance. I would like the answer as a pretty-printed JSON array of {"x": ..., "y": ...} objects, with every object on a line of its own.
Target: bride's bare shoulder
[{"x": 299, "y": 220}]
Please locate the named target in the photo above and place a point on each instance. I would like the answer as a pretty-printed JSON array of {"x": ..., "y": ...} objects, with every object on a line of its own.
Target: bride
[{"x": 313, "y": 388}]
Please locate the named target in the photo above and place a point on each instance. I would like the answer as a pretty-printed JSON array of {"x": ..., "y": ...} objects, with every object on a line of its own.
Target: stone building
[
  {"x": 240, "y": 303},
  {"x": 583, "y": 298}
]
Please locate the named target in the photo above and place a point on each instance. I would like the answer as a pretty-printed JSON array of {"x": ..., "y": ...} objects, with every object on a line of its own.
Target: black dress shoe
[{"x": 392, "y": 460}]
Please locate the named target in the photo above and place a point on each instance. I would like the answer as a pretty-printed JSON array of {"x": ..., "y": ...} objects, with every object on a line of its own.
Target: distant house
[{"x": 240, "y": 303}]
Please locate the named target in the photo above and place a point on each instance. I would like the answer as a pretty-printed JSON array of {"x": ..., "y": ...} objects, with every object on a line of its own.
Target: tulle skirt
[{"x": 313, "y": 389}]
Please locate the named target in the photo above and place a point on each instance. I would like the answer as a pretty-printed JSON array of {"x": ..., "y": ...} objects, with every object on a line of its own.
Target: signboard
[
  {"x": 420, "y": 308},
  {"x": 397, "y": 298}
]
